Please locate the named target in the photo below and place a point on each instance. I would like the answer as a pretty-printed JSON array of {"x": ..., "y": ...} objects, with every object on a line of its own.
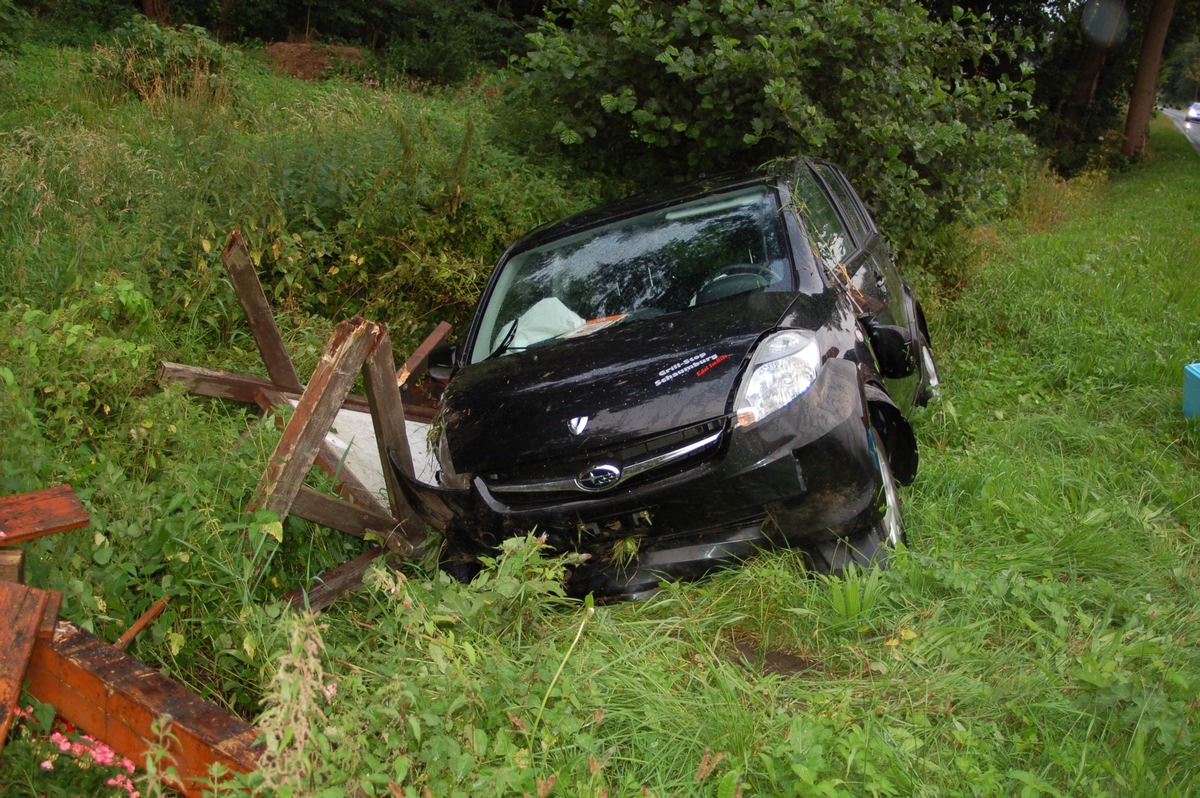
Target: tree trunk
[
  {"x": 1145, "y": 84},
  {"x": 155, "y": 10},
  {"x": 1079, "y": 105}
]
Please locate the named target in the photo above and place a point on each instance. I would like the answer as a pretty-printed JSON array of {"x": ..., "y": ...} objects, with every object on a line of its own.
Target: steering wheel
[{"x": 736, "y": 278}]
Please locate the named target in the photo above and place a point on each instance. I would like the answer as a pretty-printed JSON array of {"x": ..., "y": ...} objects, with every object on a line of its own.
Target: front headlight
[{"x": 784, "y": 366}]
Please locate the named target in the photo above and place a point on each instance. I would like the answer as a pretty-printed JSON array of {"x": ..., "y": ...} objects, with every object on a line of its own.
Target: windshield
[{"x": 661, "y": 262}]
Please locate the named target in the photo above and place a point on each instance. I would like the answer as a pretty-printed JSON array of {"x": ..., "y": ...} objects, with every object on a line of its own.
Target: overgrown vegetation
[
  {"x": 895, "y": 97},
  {"x": 1037, "y": 639}
]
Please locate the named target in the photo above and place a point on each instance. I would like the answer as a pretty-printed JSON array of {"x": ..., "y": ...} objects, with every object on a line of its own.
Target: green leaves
[{"x": 684, "y": 88}]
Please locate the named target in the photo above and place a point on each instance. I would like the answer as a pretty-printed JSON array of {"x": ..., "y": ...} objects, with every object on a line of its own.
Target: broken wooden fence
[
  {"x": 357, "y": 346},
  {"x": 96, "y": 687}
]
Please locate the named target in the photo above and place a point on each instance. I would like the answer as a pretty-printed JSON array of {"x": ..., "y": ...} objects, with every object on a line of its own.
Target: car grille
[{"x": 639, "y": 462}]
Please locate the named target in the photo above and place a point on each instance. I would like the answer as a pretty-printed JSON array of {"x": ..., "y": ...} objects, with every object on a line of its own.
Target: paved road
[{"x": 1190, "y": 129}]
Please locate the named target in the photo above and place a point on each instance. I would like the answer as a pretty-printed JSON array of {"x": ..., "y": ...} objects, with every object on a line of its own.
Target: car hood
[{"x": 638, "y": 378}]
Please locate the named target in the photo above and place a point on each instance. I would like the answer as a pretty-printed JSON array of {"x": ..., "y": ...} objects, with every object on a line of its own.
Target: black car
[{"x": 671, "y": 383}]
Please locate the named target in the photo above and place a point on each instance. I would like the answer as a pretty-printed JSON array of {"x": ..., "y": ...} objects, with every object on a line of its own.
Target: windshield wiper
[{"x": 508, "y": 339}]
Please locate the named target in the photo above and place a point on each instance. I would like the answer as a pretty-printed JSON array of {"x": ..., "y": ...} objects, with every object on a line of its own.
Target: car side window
[
  {"x": 830, "y": 236},
  {"x": 860, "y": 226}
]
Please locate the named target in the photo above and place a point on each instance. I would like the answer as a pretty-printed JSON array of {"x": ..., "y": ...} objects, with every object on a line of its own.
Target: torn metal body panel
[{"x": 672, "y": 384}]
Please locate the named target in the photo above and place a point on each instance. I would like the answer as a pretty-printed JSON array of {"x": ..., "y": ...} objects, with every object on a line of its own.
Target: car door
[
  {"x": 855, "y": 256},
  {"x": 882, "y": 277},
  {"x": 843, "y": 253}
]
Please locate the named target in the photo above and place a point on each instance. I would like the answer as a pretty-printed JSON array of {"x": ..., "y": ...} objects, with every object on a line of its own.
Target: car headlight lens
[{"x": 784, "y": 367}]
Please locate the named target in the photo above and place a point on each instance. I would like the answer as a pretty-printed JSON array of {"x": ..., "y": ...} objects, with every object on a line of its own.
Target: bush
[
  {"x": 156, "y": 62},
  {"x": 13, "y": 22},
  {"x": 444, "y": 41},
  {"x": 666, "y": 89}
]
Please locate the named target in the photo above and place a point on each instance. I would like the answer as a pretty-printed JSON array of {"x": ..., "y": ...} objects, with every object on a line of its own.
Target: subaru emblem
[
  {"x": 578, "y": 424},
  {"x": 599, "y": 477}
]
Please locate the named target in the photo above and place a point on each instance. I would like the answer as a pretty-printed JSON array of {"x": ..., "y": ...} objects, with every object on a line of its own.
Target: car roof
[{"x": 767, "y": 174}]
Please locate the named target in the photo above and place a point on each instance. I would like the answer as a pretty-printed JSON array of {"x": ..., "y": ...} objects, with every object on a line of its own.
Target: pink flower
[
  {"x": 330, "y": 691},
  {"x": 60, "y": 739},
  {"x": 47, "y": 764},
  {"x": 125, "y": 783},
  {"x": 102, "y": 754}
]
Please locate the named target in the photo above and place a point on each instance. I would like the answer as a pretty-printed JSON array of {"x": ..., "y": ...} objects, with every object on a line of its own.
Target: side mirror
[
  {"x": 443, "y": 361},
  {"x": 893, "y": 348}
]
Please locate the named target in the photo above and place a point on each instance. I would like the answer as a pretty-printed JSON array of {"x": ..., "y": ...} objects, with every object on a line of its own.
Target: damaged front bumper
[{"x": 801, "y": 476}]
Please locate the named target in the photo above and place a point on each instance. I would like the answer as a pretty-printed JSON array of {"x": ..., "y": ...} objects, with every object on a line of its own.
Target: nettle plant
[{"x": 890, "y": 94}]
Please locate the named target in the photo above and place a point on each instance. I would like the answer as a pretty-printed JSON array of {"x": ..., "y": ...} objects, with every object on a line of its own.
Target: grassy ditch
[{"x": 1037, "y": 638}]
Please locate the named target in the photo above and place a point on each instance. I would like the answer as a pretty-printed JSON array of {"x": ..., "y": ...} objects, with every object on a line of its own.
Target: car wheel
[
  {"x": 873, "y": 548},
  {"x": 456, "y": 559},
  {"x": 931, "y": 387}
]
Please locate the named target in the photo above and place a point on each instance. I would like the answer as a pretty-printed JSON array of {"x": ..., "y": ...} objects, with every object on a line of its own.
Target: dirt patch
[
  {"x": 783, "y": 663},
  {"x": 310, "y": 61}
]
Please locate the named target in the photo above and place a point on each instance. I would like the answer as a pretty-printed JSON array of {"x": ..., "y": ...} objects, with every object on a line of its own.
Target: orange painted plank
[
  {"x": 116, "y": 699},
  {"x": 21, "y": 611},
  {"x": 26, "y": 516}
]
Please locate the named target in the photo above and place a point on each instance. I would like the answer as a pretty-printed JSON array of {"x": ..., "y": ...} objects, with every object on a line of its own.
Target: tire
[
  {"x": 931, "y": 383},
  {"x": 456, "y": 559},
  {"x": 873, "y": 548}
]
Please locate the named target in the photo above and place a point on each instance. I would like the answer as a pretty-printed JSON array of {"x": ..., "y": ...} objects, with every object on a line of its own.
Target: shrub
[
  {"x": 156, "y": 62},
  {"x": 13, "y": 22},
  {"x": 662, "y": 90}
]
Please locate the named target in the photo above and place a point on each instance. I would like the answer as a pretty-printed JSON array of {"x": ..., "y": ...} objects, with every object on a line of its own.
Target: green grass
[{"x": 1037, "y": 638}]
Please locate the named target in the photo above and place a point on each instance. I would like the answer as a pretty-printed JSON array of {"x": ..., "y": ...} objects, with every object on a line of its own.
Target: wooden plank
[
  {"x": 298, "y": 446},
  {"x": 334, "y": 582},
  {"x": 387, "y": 417},
  {"x": 50, "y": 615},
  {"x": 12, "y": 565},
  {"x": 244, "y": 276},
  {"x": 116, "y": 699},
  {"x": 21, "y": 611},
  {"x": 418, "y": 361},
  {"x": 340, "y": 514},
  {"x": 246, "y": 387},
  {"x": 141, "y": 623},
  {"x": 26, "y": 516}
]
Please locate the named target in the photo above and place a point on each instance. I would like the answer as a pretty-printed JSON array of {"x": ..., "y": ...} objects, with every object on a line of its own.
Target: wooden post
[
  {"x": 418, "y": 362},
  {"x": 327, "y": 458},
  {"x": 236, "y": 258},
  {"x": 141, "y": 623},
  {"x": 387, "y": 416},
  {"x": 339, "y": 514},
  {"x": 12, "y": 565},
  {"x": 333, "y": 583},
  {"x": 301, "y": 439}
]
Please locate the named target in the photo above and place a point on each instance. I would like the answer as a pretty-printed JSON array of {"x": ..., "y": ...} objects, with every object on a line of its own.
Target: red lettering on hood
[{"x": 710, "y": 366}]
